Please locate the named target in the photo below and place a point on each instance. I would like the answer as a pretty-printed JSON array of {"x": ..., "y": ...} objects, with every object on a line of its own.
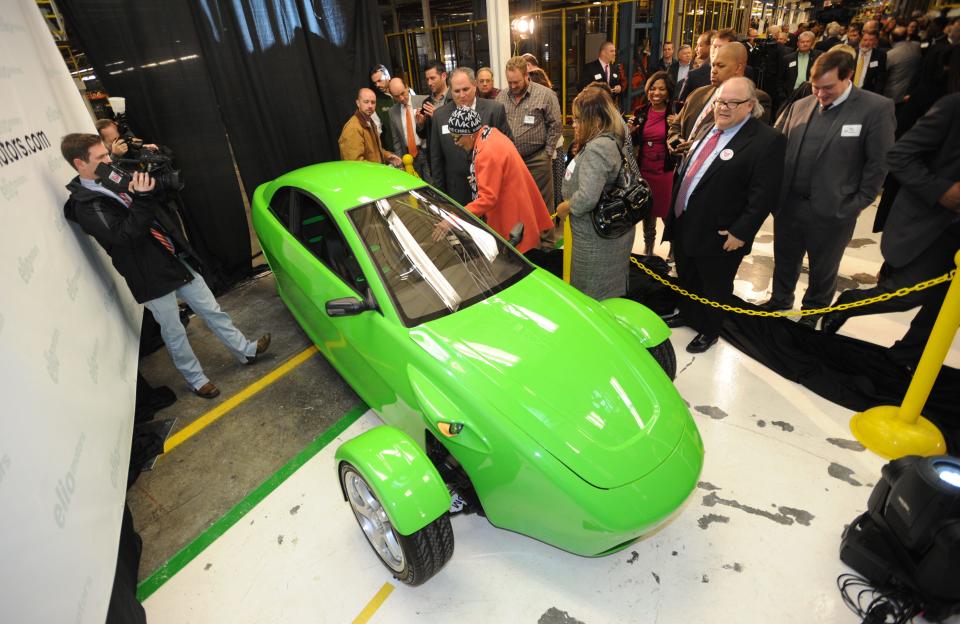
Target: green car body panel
[
  {"x": 571, "y": 432},
  {"x": 406, "y": 483}
]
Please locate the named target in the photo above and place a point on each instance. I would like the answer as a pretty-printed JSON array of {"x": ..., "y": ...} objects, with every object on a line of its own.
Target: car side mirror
[{"x": 348, "y": 306}]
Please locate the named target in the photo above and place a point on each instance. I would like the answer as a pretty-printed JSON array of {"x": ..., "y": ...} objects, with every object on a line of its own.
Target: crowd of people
[{"x": 804, "y": 125}]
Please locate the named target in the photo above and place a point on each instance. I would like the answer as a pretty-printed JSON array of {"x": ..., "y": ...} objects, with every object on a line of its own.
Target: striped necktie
[{"x": 154, "y": 228}]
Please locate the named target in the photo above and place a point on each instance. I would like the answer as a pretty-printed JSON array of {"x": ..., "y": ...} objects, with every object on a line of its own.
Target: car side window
[
  {"x": 280, "y": 206},
  {"x": 319, "y": 233}
]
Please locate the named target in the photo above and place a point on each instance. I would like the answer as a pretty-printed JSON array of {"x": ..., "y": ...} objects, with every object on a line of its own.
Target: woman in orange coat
[{"x": 504, "y": 192}]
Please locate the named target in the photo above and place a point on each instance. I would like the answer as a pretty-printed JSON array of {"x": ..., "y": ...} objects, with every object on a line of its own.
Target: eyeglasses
[{"x": 728, "y": 104}]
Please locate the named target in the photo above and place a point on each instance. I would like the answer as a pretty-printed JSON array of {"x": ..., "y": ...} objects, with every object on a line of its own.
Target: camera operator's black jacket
[{"x": 150, "y": 269}]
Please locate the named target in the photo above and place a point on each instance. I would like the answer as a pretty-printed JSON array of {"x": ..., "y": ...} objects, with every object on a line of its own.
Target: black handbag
[{"x": 624, "y": 206}]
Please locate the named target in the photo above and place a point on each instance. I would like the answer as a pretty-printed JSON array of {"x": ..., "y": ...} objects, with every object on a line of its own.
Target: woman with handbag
[
  {"x": 600, "y": 265},
  {"x": 649, "y": 130}
]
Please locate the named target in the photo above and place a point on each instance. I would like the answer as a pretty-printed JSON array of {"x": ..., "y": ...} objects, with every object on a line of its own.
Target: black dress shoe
[
  {"x": 772, "y": 305},
  {"x": 701, "y": 343},
  {"x": 833, "y": 321},
  {"x": 809, "y": 321},
  {"x": 675, "y": 320}
]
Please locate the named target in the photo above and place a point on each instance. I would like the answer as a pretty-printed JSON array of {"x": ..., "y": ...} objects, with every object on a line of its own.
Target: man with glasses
[
  {"x": 837, "y": 144},
  {"x": 721, "y": 196},
  {"x": 730, "y": 61}
]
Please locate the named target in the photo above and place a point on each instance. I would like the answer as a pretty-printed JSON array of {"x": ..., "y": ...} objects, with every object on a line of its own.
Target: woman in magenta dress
[{"x": 649, "y": 130}]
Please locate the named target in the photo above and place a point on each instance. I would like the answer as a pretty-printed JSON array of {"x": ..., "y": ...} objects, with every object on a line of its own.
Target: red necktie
[
  {"x": 411, "y": 141},
  {"x": 157, "y": 234},
  {"x": 691, "y": 172},
  {"x": 607, "y": 70}
]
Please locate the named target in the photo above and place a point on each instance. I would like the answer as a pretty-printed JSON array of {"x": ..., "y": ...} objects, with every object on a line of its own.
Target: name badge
[
  {"x": 444, "y": 129},
  {"x": 598, "y": 77},
  {"x": 726, "y": 154},
  {"x": 529, "y": 120},
  {"x": 570, "y": 168},
  {"x": 614, "y": 76},
  {"x": 851, "y": 130},
  {"x": 792, "y": 64},
  {"x": 873, "y": 63},
  {"x": 925, "y": 44}
]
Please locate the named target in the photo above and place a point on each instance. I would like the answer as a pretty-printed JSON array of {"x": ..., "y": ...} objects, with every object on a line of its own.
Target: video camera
[{"x": 160, "y": 167}]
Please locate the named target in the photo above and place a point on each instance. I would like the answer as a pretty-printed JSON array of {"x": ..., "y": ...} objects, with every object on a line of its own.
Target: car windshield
[{"x": 433, "y": 256}]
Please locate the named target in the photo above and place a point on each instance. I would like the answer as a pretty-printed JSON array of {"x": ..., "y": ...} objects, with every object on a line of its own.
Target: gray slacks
[
  {"x": 541, "y": 168},
  {"x": 796, "y": 231}
]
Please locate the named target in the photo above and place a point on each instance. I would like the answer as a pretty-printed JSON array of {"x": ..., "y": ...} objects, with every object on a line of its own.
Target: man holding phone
[
  {"x": 436, "y": 75},
  {"x": 406, "y": 122},
  {"x": 150, "y": 250}
]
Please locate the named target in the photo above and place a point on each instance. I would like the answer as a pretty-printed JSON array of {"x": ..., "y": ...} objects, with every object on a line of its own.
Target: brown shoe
[
  {"x": 262, "y": 345},
  {"x": 207, "y": 391}
]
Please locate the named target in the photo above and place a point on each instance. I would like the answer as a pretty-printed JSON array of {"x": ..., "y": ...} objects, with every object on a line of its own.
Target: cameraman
[
  {"x": 121, "y": 145},
  {"x": 150, "y": 250}
]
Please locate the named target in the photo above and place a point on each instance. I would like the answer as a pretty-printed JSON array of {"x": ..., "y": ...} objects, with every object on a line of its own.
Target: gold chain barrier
[{"x": 946, "y": 277}]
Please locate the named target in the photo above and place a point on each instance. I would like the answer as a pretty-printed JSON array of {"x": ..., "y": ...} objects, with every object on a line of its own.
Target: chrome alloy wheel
[{"x": 373, "y": 520}]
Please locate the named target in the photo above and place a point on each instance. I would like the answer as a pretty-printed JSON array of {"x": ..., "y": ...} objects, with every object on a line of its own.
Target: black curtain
[
  {"x": 272, "y": 80},
  {"x": 286, "y": 76},
  {"x": 149, "y": 53}
]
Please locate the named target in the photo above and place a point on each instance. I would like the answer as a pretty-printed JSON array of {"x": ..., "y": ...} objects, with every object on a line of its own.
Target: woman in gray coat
[{"x": 600, "y": 266}]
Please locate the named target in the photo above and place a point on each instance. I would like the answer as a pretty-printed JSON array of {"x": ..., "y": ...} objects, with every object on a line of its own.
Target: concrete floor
[{"x": 756, "y": 542}]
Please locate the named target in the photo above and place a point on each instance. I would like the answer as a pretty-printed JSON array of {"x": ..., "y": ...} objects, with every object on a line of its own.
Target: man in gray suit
[
  {"x": 923, "y": 231},
  {"x": 406, "y": 122},
  {"x": 903, "y": 65},
  {"x": 837, "y": 143},
  {"x": 449, "y": 164}
]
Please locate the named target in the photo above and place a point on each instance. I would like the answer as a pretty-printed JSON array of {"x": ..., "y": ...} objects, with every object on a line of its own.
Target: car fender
[
  {"x": 400, "y": 474},
  {"x": 640, "y": 320}
]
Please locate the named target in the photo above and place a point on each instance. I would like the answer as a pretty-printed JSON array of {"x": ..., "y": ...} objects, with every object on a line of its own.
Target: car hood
[{"x": 563, "y": 370}]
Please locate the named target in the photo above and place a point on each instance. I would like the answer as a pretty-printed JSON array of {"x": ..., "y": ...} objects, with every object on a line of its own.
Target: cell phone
[{"x": 675, "y": 142}]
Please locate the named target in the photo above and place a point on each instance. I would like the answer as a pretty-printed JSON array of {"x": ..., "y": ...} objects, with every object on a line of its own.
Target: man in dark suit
[
  {"x": 721, "y": 196},
  {"x": 666, "y": 61},
  {"x": 837, "y": 141},
  {"x": 796, "y": 65},
  {"x": 449, "y": 164},
  {"x": 604, "y": 69},
  {"x": 870, "y": 73},
  {"x": 700, "y": 77},
  {"x": 405, "y": 123},
  {"x": 681, "y": 69},
  {"x": 832, "y": 38},
  {"x": 923, "y": 231},
  {"x": 697, "y": 111}
]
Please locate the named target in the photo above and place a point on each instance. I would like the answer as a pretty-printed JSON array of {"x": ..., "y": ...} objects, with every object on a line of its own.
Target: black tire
[
  {"x": 666, "y": 357},
  {"x": 424, "y": 552}
]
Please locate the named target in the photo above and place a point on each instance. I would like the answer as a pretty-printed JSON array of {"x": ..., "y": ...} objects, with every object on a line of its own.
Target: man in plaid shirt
[{"x": 533, "y": 113}]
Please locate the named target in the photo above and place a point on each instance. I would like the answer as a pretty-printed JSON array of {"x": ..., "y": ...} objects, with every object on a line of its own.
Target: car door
[{"x": 326, "y": 269}]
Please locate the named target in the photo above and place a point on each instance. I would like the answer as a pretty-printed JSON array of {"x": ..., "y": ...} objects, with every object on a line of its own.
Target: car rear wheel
[
  {"x": 412, "y": 559},
  {"x": 666, "y": 357}
]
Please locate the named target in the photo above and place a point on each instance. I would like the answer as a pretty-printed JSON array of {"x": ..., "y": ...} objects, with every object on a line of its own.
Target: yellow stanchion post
[
  {"x": 891, "y": 431},
  {"x": 567, "y": 249}
]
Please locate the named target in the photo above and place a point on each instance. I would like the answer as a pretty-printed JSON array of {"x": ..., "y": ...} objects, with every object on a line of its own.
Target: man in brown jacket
[{"x": 359, "y": 139}]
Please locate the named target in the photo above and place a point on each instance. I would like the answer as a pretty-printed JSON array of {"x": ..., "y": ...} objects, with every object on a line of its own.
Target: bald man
[
  {"x": 406, "y": 125},
  {"x": 729, "y": 61},
  {"x": 359, "y": 139}
]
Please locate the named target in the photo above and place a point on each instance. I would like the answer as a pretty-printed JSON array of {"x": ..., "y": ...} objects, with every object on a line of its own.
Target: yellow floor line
[
  {"x": 213, "y": 415},
  {"x": 374, "y": 604}
]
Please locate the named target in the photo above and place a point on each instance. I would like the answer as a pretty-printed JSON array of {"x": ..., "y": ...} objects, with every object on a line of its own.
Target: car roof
[{"x": 342, "y": 185}]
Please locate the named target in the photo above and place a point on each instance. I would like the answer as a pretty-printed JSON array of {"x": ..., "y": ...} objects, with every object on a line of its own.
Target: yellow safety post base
[
  {"x": 894, "y": 432},
  {"x": 881, "y": 430},
  {"x": 567, "y": 249}
]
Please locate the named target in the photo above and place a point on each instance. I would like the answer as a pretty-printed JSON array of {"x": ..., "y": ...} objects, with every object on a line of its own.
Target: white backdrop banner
[{"x": 69, "y": 333}]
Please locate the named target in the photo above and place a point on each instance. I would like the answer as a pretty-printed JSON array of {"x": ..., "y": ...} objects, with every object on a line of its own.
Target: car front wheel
[
  {"x": 412, "y": 559},
  {"x": 666, "y": 357}
]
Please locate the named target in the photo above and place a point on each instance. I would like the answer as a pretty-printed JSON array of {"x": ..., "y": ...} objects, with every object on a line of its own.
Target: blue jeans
[{"x": 197, "y": 295}]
